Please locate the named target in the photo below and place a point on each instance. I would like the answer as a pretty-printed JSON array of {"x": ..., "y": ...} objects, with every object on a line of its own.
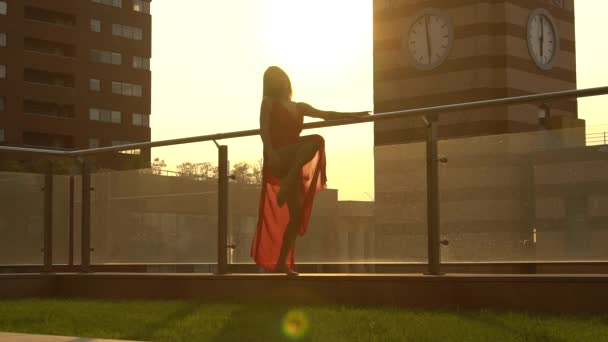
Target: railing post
[
  {"x": 85, "y": 234},
  {"x": 432, "y": 184},
  {"x": 222, "y": 210},
  {"x": 48, "y": 219},
  {"x": 71, "y": 223},
  {"x": 604, "y": 138}
]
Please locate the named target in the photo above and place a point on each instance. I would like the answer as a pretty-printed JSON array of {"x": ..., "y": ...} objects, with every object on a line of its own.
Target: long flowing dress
[{"x": 285, "y": 129}]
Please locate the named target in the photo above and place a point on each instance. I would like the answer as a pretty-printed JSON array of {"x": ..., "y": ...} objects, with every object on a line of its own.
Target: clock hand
[
  {"x": 542, "y": 35},
  {"x": 428, "y": 37}
]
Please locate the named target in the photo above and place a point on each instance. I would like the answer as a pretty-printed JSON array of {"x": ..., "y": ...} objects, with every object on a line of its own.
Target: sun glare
[{"x": 317, "y": 36}]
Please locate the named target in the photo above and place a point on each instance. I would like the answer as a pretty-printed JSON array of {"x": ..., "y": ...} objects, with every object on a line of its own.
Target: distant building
[
  {"x": 75, "y": 74},
  {"x": 519, "y": 184},
  {"x": 438, "y": 52}
]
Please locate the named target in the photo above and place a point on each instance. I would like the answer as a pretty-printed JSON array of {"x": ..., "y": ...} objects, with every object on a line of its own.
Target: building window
[
  {"x": 141, "y": 6},
  {"x": 142, "y": 120},
  {"x": 2, "y": 71},
  {"x": 141, "y": 63},
  {"x": 113, "y": 3},
  {"x": 2, "y": 135},
  {"x": 93, "y": 143},
  {"x": 3, "y": 7},
  {"x": 106, "y": 57},
  {"x": 2, "y": 39},
  {"x": 94, "y": 84},
  {"x": 105, "y": 115},
  {"x": 138, "y": 34},
  {"x": 128, "y": 32},
  {"x": 94, "y": 114},
  {"x": 116, "y": 88},
  {"x": 117, "y": 30},
  {"x": 116, "y": 58},
  {"x": 136, "y": 119},
  {"x": 116, "y": 117},
  {"x": 95, "y": 25},
  {"x": 127, "y": 89},
  {"x": 2, "y": 104}
]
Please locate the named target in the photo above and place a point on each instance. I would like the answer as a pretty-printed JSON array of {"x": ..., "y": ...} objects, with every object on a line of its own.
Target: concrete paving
[{"x": 13, "y": 337}]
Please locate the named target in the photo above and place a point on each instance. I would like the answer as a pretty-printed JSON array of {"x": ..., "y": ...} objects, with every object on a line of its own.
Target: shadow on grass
[
  {"x": 255, "y": 323},
  {"x": 145, "y": 331}
]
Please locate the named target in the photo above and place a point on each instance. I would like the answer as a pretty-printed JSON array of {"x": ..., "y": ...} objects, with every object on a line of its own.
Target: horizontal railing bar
[{"x": 408, "y": 113}]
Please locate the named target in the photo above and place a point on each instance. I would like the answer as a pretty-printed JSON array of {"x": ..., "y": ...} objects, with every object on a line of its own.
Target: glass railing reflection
[
  {"x": 538, "y": 196},
  {"x": 21, "y": 218},
  {"x": 155, "y": 215}
]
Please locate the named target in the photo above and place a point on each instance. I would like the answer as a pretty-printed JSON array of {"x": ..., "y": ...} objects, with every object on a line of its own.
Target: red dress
[{"x": 285, "y": 129}]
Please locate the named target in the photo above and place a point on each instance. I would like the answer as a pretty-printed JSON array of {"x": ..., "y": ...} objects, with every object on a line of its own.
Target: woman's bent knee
[
  {"x": 315, "y": 142},
  {"x": 314, "y": 137}
]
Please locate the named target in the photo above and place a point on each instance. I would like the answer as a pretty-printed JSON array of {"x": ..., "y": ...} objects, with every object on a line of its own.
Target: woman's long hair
[{"x": 273, "y": 82}]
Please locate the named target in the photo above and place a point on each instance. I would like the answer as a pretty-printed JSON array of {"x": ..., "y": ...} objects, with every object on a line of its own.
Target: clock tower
[
  {"x": 439, "y": 52},
  {"x": 436, "y": 52}
]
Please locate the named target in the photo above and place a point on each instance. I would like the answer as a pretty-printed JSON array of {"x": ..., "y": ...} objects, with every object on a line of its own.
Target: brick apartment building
[{"x": 75, "y": 74}]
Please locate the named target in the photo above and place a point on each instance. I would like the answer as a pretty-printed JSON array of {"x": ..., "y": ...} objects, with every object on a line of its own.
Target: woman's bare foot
[{"x": 284, "y": 269}]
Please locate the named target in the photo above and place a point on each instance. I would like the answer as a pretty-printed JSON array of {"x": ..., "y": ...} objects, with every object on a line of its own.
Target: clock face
[
  {"x": 429, "y": 39},
  {"x": 543, "y": 39}
]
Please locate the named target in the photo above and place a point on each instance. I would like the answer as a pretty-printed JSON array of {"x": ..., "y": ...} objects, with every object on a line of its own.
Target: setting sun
[{"x": 318, "y": 37}]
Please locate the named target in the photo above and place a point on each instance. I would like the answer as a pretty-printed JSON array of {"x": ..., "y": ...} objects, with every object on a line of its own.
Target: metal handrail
[
  {"x": 598, "y": 138},
  {"x": 432, "y": 170},
  {"x": 417, "y": 112}
]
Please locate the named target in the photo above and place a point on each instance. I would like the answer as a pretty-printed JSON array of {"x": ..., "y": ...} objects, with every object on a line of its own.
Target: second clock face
[
  {"x": 429, "y": 39},
  {"x": 543, "y": 39}
]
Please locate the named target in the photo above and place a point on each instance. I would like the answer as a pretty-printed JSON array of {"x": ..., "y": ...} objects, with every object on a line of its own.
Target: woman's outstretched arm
[{"x": 308, "y": 110}]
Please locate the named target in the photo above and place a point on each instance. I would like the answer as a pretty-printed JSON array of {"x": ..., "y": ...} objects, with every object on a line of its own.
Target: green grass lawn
[{"x": 194, "y": 321}]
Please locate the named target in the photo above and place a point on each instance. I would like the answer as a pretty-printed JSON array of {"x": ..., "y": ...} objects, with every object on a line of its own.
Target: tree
[
  {"x": 158, "y": 165},
  {"x": 246, "y": 173},
  {"x": 242, "y": 172},
  {"x": 204, "y": 170}
]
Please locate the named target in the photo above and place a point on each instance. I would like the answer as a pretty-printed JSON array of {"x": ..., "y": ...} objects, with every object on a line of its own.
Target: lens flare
[{"x": 295, "y": 324}]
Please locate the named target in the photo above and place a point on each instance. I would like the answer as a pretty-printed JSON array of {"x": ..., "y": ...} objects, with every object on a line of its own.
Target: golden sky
[{"x": 209, "y": 56}]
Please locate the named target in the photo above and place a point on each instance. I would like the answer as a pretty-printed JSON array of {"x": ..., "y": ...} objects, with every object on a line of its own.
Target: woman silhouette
[{"x": 293, "y": 172}]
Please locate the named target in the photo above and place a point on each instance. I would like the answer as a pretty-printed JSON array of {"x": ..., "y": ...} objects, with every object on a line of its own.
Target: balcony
[
  {"x": 48, "y": 78},
  {"x": 50, "y": 17},
  {"x": 49, "y": 48},
  {"x": 64, "y": 111},
  {"x": 48, "y": 141}
]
